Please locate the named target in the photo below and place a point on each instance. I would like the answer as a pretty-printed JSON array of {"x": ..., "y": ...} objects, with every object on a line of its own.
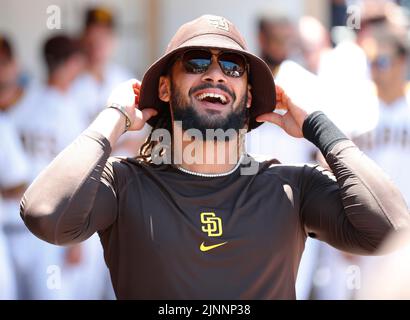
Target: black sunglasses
[{"x": 197, "y": 61}]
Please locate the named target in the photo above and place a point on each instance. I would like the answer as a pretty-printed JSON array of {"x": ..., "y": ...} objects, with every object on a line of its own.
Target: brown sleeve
[
  {"x": 74, "y": 196},
  {"x": 354, "y": 208}
]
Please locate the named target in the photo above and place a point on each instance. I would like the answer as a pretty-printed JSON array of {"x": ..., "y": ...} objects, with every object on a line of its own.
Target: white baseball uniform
[
  {"x": 388, "y": 144},
  {"x": 13, "y": 172},
  {"x": 47, "y": 122}
]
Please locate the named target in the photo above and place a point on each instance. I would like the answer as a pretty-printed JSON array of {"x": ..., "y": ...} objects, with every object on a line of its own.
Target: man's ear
[
  {"x": 164, "y": 88},
  {"x": 249, "y": 102}
]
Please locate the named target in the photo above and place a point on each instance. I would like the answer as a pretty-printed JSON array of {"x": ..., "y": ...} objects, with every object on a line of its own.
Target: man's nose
[{"x": 214, "y": 73}]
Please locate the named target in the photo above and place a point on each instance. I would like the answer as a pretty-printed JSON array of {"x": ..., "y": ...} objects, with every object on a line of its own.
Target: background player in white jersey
[
  {"x": 47, "y": 125},
  {"x": 389, "y": 142},
  {"x": 49, "y": 122},
  {"x": 13, "y": 96},
  {"x": 278, "y": 43},
  {"x": 92, "y": 88},
  {"x": 13, "y": 178},
  {"x": 386, "y": 142}
]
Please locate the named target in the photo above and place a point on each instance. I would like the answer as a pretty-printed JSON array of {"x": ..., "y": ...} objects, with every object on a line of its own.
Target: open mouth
[{"x": 212, "y": 98}]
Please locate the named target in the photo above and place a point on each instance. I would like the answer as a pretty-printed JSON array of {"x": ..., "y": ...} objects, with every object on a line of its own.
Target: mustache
[{"x": 210, "y": 86}]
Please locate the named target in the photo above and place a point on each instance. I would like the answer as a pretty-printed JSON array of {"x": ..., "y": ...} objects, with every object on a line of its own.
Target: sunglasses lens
[
  {"x": 196, "y": 61},
  {"x": 232, "y": 64}
]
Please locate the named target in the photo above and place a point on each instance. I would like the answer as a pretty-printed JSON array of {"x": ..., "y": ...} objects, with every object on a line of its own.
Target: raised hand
[
  {"x": 127, "y": 94},
  {"x": 291, "y": 121}
]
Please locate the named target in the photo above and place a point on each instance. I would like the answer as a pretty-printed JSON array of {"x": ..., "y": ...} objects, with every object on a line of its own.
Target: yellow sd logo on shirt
[{"x": 212, "y": 224}]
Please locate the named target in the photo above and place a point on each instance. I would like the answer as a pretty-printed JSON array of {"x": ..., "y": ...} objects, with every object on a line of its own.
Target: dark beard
[{"x": 190, "y": 118}]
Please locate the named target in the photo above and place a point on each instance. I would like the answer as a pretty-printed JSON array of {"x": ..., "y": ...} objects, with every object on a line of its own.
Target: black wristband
[{"x": 322, "y": 132}]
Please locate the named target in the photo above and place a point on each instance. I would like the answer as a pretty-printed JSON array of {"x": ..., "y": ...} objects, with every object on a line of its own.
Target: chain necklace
[{"x": 213, "y": 175}]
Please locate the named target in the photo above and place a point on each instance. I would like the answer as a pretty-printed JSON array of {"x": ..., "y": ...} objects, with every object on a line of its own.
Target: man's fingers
[
  {"x": 279, "y": 93},
  {"x": 133, "y": 81},
  {"x": 271, "y": 117},
  {"x": 141, "y": 117},
  {"x": 137, "y": 88},
  {"x": 148, "y": 113},
  {"x": 136, "y": 85},
  {"x": 137, "y": 98},
  {"x": 279, "y": 89},
  {"x": 282, "y": 99}
]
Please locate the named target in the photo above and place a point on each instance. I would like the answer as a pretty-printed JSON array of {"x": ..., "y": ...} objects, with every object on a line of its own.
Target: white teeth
[{"x": 212, "y": 95}]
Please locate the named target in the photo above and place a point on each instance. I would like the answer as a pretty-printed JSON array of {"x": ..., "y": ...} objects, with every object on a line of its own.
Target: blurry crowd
[
  {"x": 38, "y": 120},
  {"x": 357, "y": 75}
]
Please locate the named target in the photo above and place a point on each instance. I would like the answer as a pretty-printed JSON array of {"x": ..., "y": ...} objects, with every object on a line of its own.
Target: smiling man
[{"x": 183, "y": 229}]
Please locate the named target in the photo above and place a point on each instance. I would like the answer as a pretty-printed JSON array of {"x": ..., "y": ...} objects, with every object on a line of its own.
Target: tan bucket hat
[{"x": 209, "y": 31}]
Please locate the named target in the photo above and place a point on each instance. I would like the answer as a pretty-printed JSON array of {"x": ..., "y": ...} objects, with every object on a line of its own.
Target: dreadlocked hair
[{"x": 146, "y": 150}]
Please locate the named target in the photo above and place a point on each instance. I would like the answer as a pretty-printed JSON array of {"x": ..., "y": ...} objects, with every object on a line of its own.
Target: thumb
[
  {"x": 136, "y": 83},
  {"x": 148, "y": 113},
  {"x": 271, "y": 117}
]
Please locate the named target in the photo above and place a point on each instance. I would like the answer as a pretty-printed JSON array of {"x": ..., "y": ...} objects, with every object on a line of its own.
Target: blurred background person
[
  {"x": 92, "y": 88},
  {"x": 388, "y": 144},
  {"x": 50, "y": 121},
  {"x": 13, "y": 179},
  {"x": 387, "y": 52},
  {"x": 277, "y": 38},
  {"x": 339, "y": 62},
  {"x": 47, "y": 125},
  {"x": 15, "y": 95},
  {"x": 380, "y": 130},
  {"x": 11, "y": 90},
  {"x": 278, "y": 44},
  {"x": 14, "y": 89},
  {"x": 315, "y": 42}
]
